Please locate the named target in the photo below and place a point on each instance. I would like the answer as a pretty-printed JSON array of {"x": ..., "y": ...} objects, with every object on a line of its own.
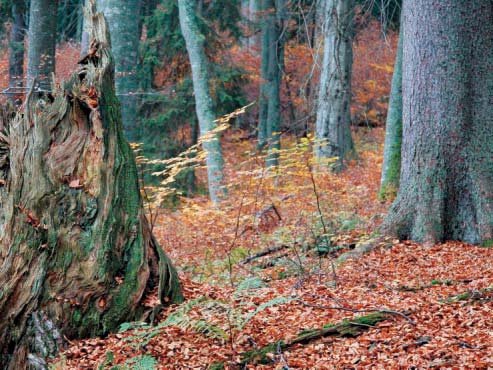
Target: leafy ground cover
[{"x": 437, "y": 300}]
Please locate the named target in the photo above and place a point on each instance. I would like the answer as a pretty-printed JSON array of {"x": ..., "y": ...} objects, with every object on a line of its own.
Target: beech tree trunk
[
  {"x": 203, "y": 102},
  {"x": 391, "y": 166},
  {"x": 16, "y": 46},
  {"x": 76, "y": 251},
  {"x": 123, "y": 18},
  {"x": 446, "y": 189},
  {"x": 333, "y": 126},
  {"x": 249, "y": 13},
  {"x": 42, "y": 43},
  {"x": 265, "y": 8},
  {"x": 272, "y": 66},
  {"x": 275, "y": 68}
]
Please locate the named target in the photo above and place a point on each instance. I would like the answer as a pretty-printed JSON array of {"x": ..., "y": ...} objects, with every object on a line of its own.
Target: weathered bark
[
  {"x": 42, "y": 43},
  {"x": 211, "y": 142},
  {"x": 84, "y": 38},
  {"x": 77, "y": 254},
  {"x": 333, "y": 133},
  {"x": 391, "y": 166},
  {"x": 16, "y": 46},
  {"x": 446, "y": 189},
  {"x": 123, "y": 18}
]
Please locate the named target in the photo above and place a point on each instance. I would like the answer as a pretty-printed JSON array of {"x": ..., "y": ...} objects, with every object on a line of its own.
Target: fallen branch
[
  {"x": 345, "y": 328},
  {"x": 263, "y": 253},
  {"x": 348, "y": 309}
]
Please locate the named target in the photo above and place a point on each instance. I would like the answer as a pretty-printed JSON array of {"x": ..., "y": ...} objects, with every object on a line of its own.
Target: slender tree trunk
[
  {"x": 275, "y": 68},
  {"x": 320, "y": 22},
  {"x": 42, "y": 42},
  {"x": 249, "y": 13},
  {"x": 266, "y": 9},
  {"x": 391, "y": 167},
  {"x": 333, "y": 126},
  {"x": 211, "y": 142},
  {"x": 123, "y": 17},
  {"x": 76, "y": 251},
  {"x": 16, "y": 46},
  {"x": 446, "y": 189}
]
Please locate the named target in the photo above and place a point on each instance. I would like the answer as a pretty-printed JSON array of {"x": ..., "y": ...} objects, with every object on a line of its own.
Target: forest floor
[{"x": 437, "y": 300}]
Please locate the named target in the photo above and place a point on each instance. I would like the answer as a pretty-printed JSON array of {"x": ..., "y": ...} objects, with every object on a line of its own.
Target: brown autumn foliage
[{"x": 452, "y": 329}]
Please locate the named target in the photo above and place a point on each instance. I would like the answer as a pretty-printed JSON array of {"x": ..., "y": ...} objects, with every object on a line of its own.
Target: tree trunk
[
  {"x": 42, "y": 43},
  {"x": 76, "y": 251},
  {"x": 266, "y": 9},
  {"x": 249, "y": 13},
  {"x": 16, "y": 46},
  {"x": 391, "y": 167},
  {"x": 275, "y": 66},
  {"x": 211, "y": 142},
  {"x": 333, "y": 126},
  {"x": 446, "y": 189},
  {"x": 123, "y": 18}
]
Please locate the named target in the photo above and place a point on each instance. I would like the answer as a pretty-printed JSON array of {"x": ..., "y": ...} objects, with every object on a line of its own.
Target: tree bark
[
  {"x": 123, "y": 18},
  {"x": 266, "y": 8},
  {"x": 76, "y": 250},
  {"x": 211, "y": 142},
  {"x": 391, "y": 166},
  {"x": 333, "y": 132},
  {"x": 446, "y": 189},
  {"x": 42, "y": 43},
  {"x": 16, "y": 46},
  {"x": 249, "y": 13},
  {"x": 274, "y": 76}
]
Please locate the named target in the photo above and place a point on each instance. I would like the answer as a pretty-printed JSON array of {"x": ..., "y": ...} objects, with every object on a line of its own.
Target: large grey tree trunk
[
  {"x": 391, "y": 166},
  {"x": 333, "y": 133},
  {"x": 16, "y": 47},
  {"x": 77, "y": 255},
  {"x": 123, "y": 18},
  {"x": 42, "y": 42},
  {"x": 203, "y": 102},
  {"x": 446, "y": 189}
]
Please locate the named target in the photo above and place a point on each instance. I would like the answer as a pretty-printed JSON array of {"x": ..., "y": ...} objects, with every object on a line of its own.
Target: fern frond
[
  {"x": 249, "y": 284},
  {"x": 273, "y": 302},
  {"x": 208, "y": 329}
]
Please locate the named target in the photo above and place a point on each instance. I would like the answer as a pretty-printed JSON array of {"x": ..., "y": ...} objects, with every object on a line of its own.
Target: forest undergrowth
[{"x": 297, "y": 306}]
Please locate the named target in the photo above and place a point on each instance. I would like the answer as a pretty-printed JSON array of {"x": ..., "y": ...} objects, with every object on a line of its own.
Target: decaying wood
[
  {"x": 263, "y": 253},
  {"x": 346, "y": 328},
  {"x": 76, "y": 252}
]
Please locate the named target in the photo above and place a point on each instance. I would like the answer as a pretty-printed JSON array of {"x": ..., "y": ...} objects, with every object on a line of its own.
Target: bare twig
[{"x": 355, "y": 310}]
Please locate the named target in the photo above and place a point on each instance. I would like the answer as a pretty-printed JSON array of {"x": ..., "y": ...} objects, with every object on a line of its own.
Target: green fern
[
  {"x": 144, "y": 362},
  {"x": 209, "y": 309},
  {"x": 273, "y": 302},
  {"x": 249, "y": 284},
  {"x": 208, "y": 329}
]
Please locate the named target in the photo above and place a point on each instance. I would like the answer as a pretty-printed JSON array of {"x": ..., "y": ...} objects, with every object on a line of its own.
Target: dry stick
[
  {"x": 314, "y": 185},
  {"x": 355, "y": 310},
  {"x": 263, "y": 253}
]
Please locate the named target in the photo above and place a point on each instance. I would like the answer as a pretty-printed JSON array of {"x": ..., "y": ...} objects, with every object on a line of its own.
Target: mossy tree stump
[{"x": 76, "y": 251}]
